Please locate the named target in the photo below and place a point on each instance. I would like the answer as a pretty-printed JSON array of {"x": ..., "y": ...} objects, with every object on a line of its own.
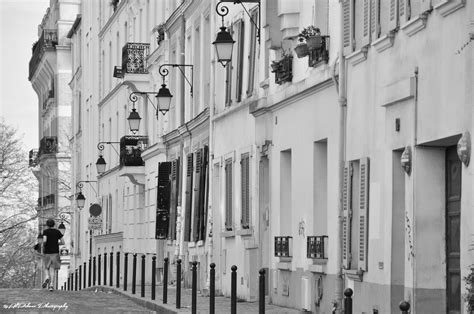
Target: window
[
  {"x": 228, "y": 78},
  {"x": 252, "y": 53},
  {"x": 175, "y": 176},
  {"x": 355, "y": 206},
  {"x": 285, "y": 192},
  {"x": 189, "y": 194},
  {"x": 245, "y": 190},
  {"x": 240, "y": 60},
  {"x": 228, "y": 194},
  {"x": 200, "y": 192},
  {"x": 108, "y": 203}
]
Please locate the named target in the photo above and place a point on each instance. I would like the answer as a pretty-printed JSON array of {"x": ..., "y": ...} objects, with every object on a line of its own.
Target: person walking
[{"x": 52, "y": 238}]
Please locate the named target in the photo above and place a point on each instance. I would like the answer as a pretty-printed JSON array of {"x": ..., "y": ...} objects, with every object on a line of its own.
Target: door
[{"x": 453, "y": 219}]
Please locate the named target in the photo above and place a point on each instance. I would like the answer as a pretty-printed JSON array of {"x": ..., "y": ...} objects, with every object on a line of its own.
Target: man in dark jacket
[{"x": 52, "y": 237}]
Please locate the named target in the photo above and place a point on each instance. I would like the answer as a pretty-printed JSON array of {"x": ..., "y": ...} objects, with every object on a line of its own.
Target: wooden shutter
[
  {"x": 346, "y": 7},
  {"x": 240, "y": 61},
  {"x": 245, "y": 187},
  {"x": 173, "y": 198},
  {"x": 363, "y": 212},
  {"x": 393, "y": 15},
  {"x": 403, "y": 11},
  {"x": 366, "y": 23},
  {"x": 346, "y": 224},
  {"x": 163, "y": 200},
  {"x": 189, "y": 195},
  {"x": 197, "y": 194},
  {"x": 204, "y": 194},
  {"x": 228, "y": 194},
  {"x": 252, "y": 54},
  {"x": 375, "y": 19},
  {"x": 228, "y": 78}
]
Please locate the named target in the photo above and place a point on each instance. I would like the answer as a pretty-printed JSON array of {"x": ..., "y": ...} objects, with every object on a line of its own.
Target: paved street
[{"x": 43, "y": 301}]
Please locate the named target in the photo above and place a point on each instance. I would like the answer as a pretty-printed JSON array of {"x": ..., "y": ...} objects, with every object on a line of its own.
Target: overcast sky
[{"x": 19, "y": 21}]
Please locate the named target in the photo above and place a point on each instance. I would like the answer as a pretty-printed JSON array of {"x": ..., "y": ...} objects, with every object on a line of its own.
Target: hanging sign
[
  {"x": 95, "y": 210},
  {"x": 95, "y": 223}
]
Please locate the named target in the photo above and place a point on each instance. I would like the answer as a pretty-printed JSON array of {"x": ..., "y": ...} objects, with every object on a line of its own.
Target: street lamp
[
  {"x": 133, "y": 121},
  {"x": 80, "y": 198},
  {"x": 62, "y": 228},
  {"x": 100, "y": 164}
]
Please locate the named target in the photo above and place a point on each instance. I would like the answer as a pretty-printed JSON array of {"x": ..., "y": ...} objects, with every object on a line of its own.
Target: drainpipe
[
  {"x": 339, "y": 284},
  {"x": 413, "y": 174}
]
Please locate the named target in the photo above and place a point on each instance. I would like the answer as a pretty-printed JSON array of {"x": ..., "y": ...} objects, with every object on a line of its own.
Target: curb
[{"x": 140, "y": 301}]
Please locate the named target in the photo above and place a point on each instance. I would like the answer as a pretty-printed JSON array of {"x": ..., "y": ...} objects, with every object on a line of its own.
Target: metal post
[
  {"x": 117, "y": 270},
  {"x": 142, "y": 294},
  {"x": 98, "y": 270},
  {"x": 194, "y": 288},
  {"x": 153, "y": 275},
  {"x": 94, "y": 270},
  {"x": 178, "y": 284},
  {"x": 404, "y": 307},
  {"x": 125, "y": 271},
  {"x": 75, "y": 280},
  {"x": 212, "y": 289},
  {"x": 111, "y": 269},
  {"x": 105, "y": 269},
  {"x": 134, "y": 273},
  {"x": 84, "y": 283},
  {"x": 90, "y": 272},
  {"x": 69, "y": 282},
  {"x": 233, "y": 290},
  {"x": 261, "y": 292},
  {"x": 80, "y": 277},
  {"x": 348, "y": 301},
  {"x": 165, "y": 281}
]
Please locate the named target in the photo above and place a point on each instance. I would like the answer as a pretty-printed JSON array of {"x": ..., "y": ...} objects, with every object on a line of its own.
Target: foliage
[
  {"x": 309, "y": 31},
  {"x": 469, "y": 297}
]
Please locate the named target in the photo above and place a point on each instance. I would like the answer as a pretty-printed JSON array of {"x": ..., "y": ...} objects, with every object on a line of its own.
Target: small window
[{"x": 228, "y": 194}]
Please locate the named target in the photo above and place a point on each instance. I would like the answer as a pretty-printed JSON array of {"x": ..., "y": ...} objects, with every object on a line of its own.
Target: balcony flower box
[
  {"x": 302, "y": 48},
  {"x": 283, "y": 69}
]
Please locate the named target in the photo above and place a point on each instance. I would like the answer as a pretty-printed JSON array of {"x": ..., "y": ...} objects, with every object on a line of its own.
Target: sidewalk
[{"x": 222, "y": 304}]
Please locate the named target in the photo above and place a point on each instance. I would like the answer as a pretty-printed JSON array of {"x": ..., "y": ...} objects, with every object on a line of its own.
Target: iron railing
[
  {"x": 48, "y": 40},
  {"x": 316, "y": 247},
  {"x": 283, "y": 246},
  {"x": 131, "y": 148},
  {"x": 134, "y": 57},
  {"x": 48, "y": 145},
  {"x": 320, "y": 55},
  {"x": 46, "y": 200},
  {"x": 33, "y": 158},
  {"x": 283, "y": 69}
]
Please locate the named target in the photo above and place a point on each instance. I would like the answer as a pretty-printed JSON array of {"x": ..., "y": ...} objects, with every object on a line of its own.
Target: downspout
[
  {"x": 415, "y": 141},
  {"x": 337, "y": 306}
]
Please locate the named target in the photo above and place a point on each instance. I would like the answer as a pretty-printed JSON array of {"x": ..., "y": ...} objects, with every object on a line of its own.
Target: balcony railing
[
  {"x": 319, "y": 55},
  {"x": 48, "y": 40},
  {"x": 283, "y": 69},
  {"x": 283, "y": 246},
  {"x": 134, "y": 57},
  {"x": 317, "y": 247},
  {"x": 48, "y": 145},
  {"x": 33, "y": 158},
  {"x": 131, "y": 148},
  {"x": 46, "y": 200}
]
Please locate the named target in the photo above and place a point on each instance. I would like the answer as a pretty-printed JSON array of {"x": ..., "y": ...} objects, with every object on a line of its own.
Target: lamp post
[
  {"x": 100, "y": 164},
  {"x": 80, "y": 198}
]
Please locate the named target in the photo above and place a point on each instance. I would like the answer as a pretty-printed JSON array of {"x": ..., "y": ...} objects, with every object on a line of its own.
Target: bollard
[
  {"x": 117, "y": 270},
  {"x": 212, "y": 289},
  {"x": 178, "y": 284},
  {"x": 125, "y": 270},
  {"x": 75, "y": 280},
  {"x": 153, "y": 275},
  {"x": 261, "y": 291},
  {"x": 98, "y": 270},
  {"x": 348, "y": 301},
  {"x": 111, "y": 269},
  {"x": 233, "y": 290},
  {"x": 165, "y": 281},
  {"x": 142, "y": 283},
  {"x": 134, "y": 273},
  {"x": 84, "y": 270},
  {"x": 194, "y": 288},
  {"x": 80, "y": 277},
  {"x": 69, "y": 282},
  {"x": 404, "y": 307},
  {"x": 93, "y": 272},
  {"x": 105, "y": 269},
  {"x": 90, "y": 272}
]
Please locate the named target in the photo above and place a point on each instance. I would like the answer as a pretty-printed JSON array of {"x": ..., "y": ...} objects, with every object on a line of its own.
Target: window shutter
[
  {"x": 189, "y": 195},
  {"x": 366, "y": 24},
  {"x": 393, "y": 15},
  {"x": 163, "y": 200},
  {"x": 228, "y": 78},
  {"x": 346, "y": 7},
  {"x": 204, "y": 193},
  {"x": 346, "y": 224},
  {"x": 240, "y": 61},
  {"x": 252, "y": 54},
  {"x": 173, "y": 198},
  {"x": 363, "y": 212},
  {"x": 197, "y": 194},
  {"x": 228, "y": 194},
  {"x": 375, "y": 19},
  {"x": 402, "y": 11},
  {"x": 245, "y": 182}
]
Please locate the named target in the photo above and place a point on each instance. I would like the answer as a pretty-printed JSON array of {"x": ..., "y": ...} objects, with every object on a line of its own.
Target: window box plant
[
  {"x": 283, "y": 68},
  {"x": 312, "y": 35},
  {"x": 302, "y": 48}
]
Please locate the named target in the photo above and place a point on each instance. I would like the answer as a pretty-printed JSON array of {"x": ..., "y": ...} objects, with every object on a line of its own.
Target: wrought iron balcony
[
  {"x": 46, "y": 200},
  {"x": 317, "y": 247},
  {"x": 320, "y": 54},
  {"x": 283, "y": 246},
  {"x": 283, "y": 69},
  {"x": 47, "y": 41},
  {"x": 131, "y": 148},
  {"x": 134, "y": 57},
  {"x": 33, "y": 158},
  {"x": 48, "y": 145}
]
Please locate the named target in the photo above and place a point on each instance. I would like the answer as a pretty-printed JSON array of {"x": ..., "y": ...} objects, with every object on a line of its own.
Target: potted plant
[
  {"x": 283, "y": 68},
  {"x": 313, "y": 38},
  {"x": 302, "y": 48},
  {"x": 275, "y": 66}
]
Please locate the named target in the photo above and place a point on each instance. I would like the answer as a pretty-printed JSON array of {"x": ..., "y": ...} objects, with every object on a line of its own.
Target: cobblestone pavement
[{"x": 43, "y": 301}]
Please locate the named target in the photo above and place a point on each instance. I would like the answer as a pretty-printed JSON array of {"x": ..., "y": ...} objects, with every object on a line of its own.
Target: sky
[{"x": 19, "y": 21}]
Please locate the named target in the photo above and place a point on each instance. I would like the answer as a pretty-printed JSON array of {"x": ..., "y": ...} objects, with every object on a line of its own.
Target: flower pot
[
  {"x": 301, "y": 50},
  {"x": 275, "y": 66},
  {"x": 314, "y": 42}
]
